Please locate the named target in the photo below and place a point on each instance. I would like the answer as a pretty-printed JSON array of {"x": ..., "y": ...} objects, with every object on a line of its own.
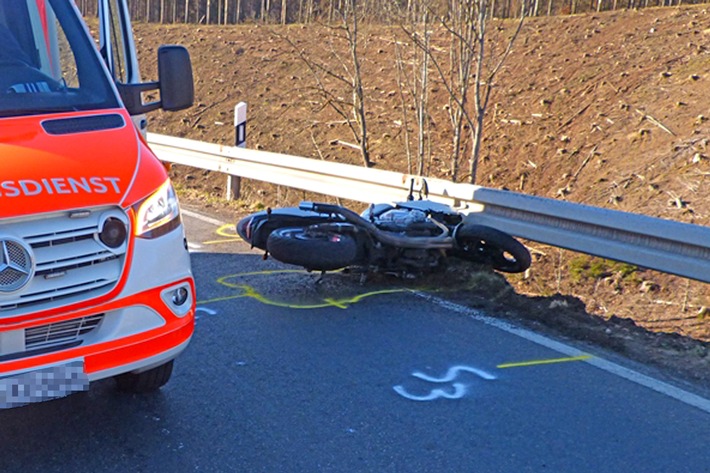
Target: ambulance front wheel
[{"x": 145, "y": 381}]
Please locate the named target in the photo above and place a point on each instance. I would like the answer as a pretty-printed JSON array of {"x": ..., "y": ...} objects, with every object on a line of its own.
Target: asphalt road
[{"x": 285, "y": 374}]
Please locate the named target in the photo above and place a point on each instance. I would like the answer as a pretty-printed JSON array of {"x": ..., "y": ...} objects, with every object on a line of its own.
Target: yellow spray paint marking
[
  {"x": 544, "y": 362},
  {"x": 344, "y": 303},
  {"x": 251, "y": 292},
  {"x": 227, "y": 232}
]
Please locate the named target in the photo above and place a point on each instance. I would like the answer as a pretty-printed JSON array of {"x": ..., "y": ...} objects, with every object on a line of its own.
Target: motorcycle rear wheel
[
  {"x": 313, "y": 249},
  {"x": 493, "y": 247}
]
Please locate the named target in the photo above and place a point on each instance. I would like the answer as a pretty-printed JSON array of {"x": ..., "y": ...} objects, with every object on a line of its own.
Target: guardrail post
[{"x": 234, "y": 183}]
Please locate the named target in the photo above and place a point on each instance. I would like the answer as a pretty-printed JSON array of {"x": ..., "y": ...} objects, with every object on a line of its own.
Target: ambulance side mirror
[
  {"x": 177, "y": 90},
  {"x": 175, "y": 84}
]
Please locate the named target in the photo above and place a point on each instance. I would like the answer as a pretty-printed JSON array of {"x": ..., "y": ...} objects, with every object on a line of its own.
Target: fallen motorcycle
[{"x": 403, "y": 238}]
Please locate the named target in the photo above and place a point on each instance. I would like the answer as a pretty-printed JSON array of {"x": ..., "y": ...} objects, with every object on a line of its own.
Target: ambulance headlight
[{"x": 158, "y": 213}]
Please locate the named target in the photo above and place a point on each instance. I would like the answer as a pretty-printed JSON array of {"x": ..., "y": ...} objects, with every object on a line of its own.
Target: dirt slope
[{"x": 608, "y": 109}]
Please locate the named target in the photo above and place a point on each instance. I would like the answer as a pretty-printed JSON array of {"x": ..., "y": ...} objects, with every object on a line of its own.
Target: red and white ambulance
[{"x": 95, "y": 277}]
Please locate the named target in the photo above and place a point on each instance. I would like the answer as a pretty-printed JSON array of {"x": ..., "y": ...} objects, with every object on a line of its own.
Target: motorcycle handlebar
[{"x": 444, "y": 240}]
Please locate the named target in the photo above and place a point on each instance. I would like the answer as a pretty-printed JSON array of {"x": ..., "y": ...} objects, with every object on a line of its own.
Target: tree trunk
[
  {"x": 401, "y": 81},
  {"x": 423, "y": 108},
  {"x": 358, "y": 91}
]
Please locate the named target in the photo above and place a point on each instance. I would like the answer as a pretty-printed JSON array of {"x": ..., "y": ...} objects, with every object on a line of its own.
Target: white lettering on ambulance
[
  {"x": 45, "y": 182},
  {"x": 30, "y": 187},
  {"x": 99, "y": 187},
  {"x": 60, "y": 185},
  {"x": 77, "y": 184},
  {"x": 9, "y": 188},
  {"x": 114, "y": 183}
]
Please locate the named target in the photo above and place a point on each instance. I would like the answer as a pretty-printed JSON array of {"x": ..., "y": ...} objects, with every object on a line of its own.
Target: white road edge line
[
  {"x": 618, "y": 370},
  {"x": 204, "y": 218},
  {"x": 659, "y": 386}
]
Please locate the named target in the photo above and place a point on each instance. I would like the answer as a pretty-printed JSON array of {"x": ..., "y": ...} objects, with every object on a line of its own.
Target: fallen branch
[
  {"x": 579, "y": 112},
  {"x": 584, "y": 163},
  {"x": 345, "y": 143},
  {"x": 655, "y": 122},
  {"x": 315, "y": 144}
]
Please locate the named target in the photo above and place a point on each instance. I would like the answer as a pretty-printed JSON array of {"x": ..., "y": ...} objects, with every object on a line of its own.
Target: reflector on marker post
[
  {"x": 240, "y": 140},
  {"x": 240, "y": 125}
]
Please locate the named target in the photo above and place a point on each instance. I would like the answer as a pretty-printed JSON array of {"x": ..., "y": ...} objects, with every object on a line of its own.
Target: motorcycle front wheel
[
  {"x": 493, "y": 247},
  {"x": 318, "y": 250}
]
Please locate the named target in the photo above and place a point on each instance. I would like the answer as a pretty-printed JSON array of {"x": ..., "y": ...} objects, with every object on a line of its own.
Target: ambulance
[{"x": 95, "y": 277}]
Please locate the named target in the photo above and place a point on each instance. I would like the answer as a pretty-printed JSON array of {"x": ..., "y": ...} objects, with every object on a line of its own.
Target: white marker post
[{"x": 240, "y": 140}]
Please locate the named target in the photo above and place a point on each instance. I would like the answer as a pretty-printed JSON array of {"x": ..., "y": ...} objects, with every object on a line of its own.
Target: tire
[
  {"x": 492, "y": 247},
  {"x": 313, "y": 249},
  {"x": 146, "y": 381}
]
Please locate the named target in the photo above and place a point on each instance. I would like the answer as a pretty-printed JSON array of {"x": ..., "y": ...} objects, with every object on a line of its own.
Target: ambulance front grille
[
  {"x": 70, "y": 262},
  {"x": 60, "y": 333}
]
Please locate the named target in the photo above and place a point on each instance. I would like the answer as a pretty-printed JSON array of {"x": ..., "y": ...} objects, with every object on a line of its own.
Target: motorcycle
[{"x": 402, "y": 238}]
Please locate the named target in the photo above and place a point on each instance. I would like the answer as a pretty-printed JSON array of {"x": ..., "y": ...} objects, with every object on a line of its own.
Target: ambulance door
[{"x": 118, "y": 48}]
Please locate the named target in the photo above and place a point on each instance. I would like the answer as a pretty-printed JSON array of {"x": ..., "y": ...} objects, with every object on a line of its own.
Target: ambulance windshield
[{"x": 48, "y": 62}]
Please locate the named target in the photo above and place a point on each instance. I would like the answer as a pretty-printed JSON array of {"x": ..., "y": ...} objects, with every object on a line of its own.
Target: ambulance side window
[
  {"x": 67, "y": 62},
  {"x": 118, "y": 47}
]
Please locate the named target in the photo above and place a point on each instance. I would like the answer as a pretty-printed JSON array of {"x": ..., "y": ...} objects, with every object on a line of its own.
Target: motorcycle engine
[{"x": 402, "y": 220}]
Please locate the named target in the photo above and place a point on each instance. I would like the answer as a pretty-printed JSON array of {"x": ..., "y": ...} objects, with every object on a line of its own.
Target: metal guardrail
[{"x": 668, "y": 246}]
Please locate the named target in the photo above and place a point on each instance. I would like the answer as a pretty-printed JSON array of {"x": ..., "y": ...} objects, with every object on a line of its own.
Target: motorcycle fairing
[{"x": 255, "y": 229}]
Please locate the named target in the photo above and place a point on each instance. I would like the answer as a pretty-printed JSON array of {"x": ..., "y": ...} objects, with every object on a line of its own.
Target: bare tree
[
  {"x": 265, "y": 10},
  {"x": 413, "y": 79},
  {"x": 350, "y": 27},
  {"x": 486, "y": 73},
  {"x": 470, "y": 65},
  {"x": 345, "y": 72}
]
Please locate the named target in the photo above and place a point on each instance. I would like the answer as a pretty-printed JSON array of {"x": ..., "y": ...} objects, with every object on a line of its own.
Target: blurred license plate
[{"x": 43, "y": 384}]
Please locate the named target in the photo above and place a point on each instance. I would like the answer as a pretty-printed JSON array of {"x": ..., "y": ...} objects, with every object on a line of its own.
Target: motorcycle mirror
[
  {"x": 411, "y": 190},
  {"x": 424, "y": 189}
]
